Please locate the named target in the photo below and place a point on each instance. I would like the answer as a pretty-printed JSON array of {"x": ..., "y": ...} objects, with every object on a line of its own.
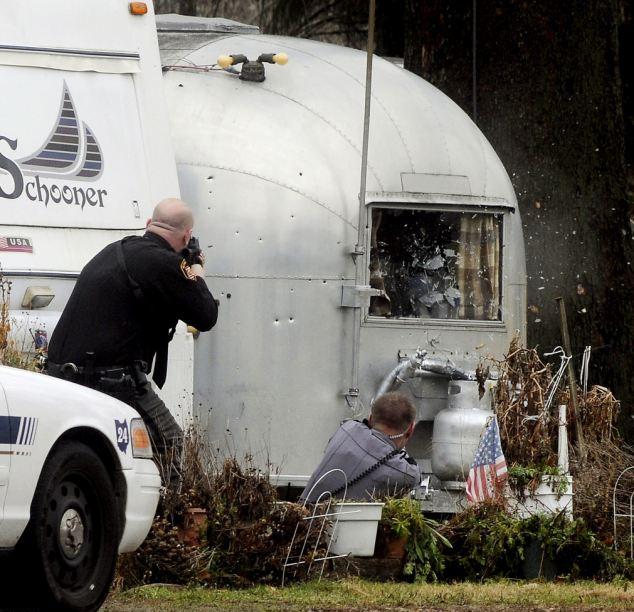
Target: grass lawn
[{"x": 355, "y": 594}]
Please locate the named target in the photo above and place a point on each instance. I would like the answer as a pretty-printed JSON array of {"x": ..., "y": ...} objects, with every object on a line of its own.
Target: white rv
[{"x": 85, "y": 154}]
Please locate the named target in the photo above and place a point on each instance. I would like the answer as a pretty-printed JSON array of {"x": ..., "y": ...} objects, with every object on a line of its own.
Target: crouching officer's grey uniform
[
  {"x": 371, "y": 462},
  {"x": 120, "y": 318}
]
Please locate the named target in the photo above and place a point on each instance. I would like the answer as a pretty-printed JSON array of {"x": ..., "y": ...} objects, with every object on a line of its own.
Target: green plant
[
  {"x": 523, "y": 478},
  {"x": 487, "y": 542},
  {"x": 424, "y": 555}
]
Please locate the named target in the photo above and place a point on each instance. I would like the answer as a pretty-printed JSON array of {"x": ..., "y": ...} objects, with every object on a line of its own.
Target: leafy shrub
[
  {"x": 424, "y": 544},
  {"x": 487, "y": 542},
  {"x": 246, "y": 535}
]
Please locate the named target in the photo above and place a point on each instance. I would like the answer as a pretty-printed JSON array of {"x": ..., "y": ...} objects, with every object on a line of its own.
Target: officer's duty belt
[{"x": 72, "y": 372}]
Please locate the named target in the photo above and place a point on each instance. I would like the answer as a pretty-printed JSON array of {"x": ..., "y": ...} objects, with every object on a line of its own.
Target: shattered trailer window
[{"x": 439, "y": 265}]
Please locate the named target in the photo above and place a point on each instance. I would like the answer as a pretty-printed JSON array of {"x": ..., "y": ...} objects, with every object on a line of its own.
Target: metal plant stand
[
  {"x": 629, "y": 515},
  {"x": 300, "y": 552}
]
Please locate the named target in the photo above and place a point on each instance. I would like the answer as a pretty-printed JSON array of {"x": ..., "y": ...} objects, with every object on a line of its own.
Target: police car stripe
[
  {"x": 18, "y": 430},
  {"x": 25, "y": 430},
  {"x": 30, "y": 428},
  {"x": 9, "y": 426},
  {"x": 34, "y": 432},
  {"x": 29, "y": 440},
  {"x": 24, "y": 425},
  {"x": 27, "y": 433}
]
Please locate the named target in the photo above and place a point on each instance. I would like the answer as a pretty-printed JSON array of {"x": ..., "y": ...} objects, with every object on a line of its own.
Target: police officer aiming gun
[{"x": 123, "y": 312}]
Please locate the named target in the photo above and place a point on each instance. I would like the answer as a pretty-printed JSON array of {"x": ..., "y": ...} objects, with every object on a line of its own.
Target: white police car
[{"x": 77, "y": 485}]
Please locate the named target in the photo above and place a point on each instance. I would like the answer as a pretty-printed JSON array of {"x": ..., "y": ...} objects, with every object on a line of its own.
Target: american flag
[{"x": 488, "y": 470}]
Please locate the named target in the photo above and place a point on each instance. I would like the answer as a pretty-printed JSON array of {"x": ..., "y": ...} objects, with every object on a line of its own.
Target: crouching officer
[
  {"x": 123, "y": 311},
  {"x": 370, "y": 453}
]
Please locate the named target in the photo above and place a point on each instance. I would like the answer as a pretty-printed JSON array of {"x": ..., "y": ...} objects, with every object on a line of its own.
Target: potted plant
[
  {"x": 404, "y": 526},
  {"x": 539, "y": 489}
]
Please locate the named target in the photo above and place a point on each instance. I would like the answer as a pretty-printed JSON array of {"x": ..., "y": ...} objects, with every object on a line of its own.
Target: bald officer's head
[{"x": 172, "y": 220}]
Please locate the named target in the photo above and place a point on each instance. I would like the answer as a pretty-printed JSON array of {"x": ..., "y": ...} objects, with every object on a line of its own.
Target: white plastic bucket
[
  {"x": 552, "y": 496},
  {"x": 355, "y": 526}
]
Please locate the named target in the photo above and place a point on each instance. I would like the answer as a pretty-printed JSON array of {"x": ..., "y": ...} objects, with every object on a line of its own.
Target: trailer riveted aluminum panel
[{"x": 285, "y": 156}]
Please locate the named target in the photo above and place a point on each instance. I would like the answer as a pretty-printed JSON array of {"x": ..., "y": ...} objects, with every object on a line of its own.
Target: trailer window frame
[{"x": 499, "y": 209}]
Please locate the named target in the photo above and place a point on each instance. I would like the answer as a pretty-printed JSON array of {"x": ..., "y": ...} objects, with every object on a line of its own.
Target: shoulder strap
[
  {"x": 160, "y": 361},
  {"x": 136, "y": 288},
  {"x": 367, "y": 471}
]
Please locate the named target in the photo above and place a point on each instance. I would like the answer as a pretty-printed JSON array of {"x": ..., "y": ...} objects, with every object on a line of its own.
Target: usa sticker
[
  {"x": 123, "y": 437},
  {"x": 16, "y": 245}
]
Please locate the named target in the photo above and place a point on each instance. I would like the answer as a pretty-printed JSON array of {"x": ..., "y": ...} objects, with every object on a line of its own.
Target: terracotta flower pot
[
  {"x": 194, "y": 520},
  {"x": 389, "y": 546},
  {"x": 396, "y": 548}
]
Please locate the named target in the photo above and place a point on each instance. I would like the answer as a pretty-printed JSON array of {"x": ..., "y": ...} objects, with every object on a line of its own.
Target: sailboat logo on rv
[{"x": 70, "y": 152}]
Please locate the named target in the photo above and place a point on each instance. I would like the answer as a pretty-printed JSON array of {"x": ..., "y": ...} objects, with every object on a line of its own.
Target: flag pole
[{"x": 360, "y": 247}]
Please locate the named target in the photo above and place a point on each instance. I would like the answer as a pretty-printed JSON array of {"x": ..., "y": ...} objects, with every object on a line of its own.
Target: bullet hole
[
  {"x": 292, "y": 290},
  {"x": 210, "y": 178},
  {"x": 180, "y": 84},
  {"x": 324, "y": 282},
  {"x": 291, "y": 319},
  {"x": 237, "y": 232},
  {"x": 228, "y": 296},
  {"x": 277, "y": 320},
  {"x": 301, "y": 174},
  {"x": 292, "y": 216},
  {"x": 259, "y": 239}
]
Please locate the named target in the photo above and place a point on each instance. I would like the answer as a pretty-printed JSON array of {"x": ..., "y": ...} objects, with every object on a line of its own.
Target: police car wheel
[{"x": 74, "y": 533}]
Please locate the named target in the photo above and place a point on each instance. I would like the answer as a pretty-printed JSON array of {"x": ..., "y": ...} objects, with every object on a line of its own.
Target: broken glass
[{"x": 435, "y": 264}]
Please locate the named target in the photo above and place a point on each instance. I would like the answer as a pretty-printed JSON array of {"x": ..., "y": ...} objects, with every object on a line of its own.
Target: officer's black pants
[{"x": 166, "y": 434}]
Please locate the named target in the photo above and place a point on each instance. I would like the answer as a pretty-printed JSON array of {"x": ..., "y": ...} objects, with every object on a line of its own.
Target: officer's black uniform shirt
[{"x": 104, "y": 316}]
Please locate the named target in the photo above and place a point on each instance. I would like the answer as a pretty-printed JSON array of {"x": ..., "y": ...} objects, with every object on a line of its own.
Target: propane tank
[{"x": 457, "y": 430}]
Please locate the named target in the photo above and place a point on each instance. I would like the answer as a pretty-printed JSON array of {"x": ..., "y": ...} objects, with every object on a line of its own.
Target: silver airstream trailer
[{"x": 314, "y": 323}]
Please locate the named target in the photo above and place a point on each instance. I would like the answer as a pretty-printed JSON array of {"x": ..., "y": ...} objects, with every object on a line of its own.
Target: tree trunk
[{"x": 187, "y": 7}]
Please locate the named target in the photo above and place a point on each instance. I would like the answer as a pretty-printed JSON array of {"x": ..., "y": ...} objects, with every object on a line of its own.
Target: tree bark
[{"x": 187, "y": 7}]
